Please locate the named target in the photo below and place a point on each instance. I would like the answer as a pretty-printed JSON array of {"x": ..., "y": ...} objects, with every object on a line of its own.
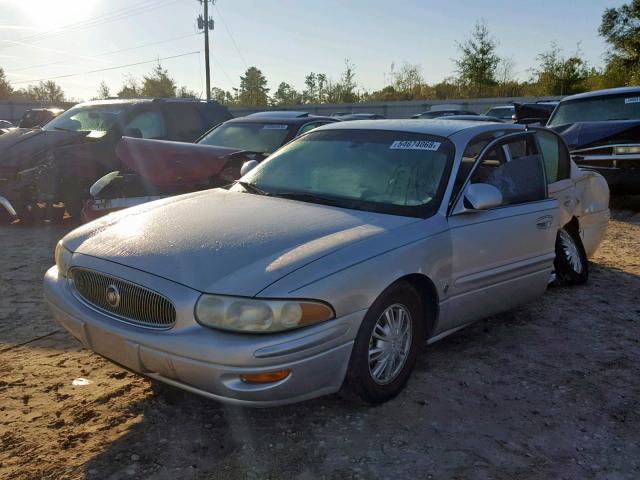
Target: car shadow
[{"x": 473, "y": 397}]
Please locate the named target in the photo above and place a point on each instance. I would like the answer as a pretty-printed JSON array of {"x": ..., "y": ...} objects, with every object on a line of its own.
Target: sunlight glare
[{"x": 54, "y": 14}]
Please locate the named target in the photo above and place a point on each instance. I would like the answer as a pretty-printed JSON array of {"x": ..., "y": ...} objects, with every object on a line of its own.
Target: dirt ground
[{"x": 548, "y": 391}]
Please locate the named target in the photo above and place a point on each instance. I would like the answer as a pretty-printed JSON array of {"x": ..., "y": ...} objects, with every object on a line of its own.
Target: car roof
[
  {"x": 502, "y": 106},
  {"x": 599, "y": 93},
  {"x": 133, "y": 101},
  {"x": 473, "y": 118},
  {"x": 279, "y": 114},
  {"x": 280, "y": 119},
  {"x": 441, "y": 128}
]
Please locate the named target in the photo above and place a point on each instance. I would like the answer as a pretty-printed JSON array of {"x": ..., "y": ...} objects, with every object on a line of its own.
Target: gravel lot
[{"x": 548, "y": 391}]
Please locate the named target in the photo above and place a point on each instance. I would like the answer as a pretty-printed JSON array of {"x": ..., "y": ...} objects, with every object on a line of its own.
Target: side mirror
[
  {"x": 482, "y": 196},
  {"x": 102, "y": 182},
  {"x": 132, "y": 132},
  {"x": 247, "y": 167}
]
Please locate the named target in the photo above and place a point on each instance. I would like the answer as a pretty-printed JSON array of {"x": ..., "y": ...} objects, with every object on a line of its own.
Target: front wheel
[
  {"x": 386, "y": 346},
  {"x": 571, "y": 264}
]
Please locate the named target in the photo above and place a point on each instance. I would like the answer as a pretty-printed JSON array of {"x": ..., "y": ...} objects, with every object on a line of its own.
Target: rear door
[{"x": 503, "y": 256}]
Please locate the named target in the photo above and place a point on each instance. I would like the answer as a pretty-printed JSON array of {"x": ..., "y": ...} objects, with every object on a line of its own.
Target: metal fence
[
  {"x": 13, "y": 110},
  {"x": 403, "y": 109}
]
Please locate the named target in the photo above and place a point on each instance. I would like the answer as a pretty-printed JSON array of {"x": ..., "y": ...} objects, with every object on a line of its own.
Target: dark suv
[
  {"x": 55, "y": 166},
  {"x": 37, "y": 117}
]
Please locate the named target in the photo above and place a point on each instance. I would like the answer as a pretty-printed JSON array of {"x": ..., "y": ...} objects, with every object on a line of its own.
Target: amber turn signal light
[{"x": 267, "y": 377}]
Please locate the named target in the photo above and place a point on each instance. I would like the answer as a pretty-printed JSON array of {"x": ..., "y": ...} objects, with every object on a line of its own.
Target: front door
[{"x": 503, "y": 256}]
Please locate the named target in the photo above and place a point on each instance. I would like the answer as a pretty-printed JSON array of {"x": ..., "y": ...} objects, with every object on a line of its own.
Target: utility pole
[{"x": 205, "y": 22}]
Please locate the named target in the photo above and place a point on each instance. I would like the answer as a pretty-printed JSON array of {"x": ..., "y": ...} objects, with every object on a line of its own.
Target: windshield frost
[{"x": 366, "y": 168}]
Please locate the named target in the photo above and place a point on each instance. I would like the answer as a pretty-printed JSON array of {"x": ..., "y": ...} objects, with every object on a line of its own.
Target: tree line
[{"x": 479, "y": 72}]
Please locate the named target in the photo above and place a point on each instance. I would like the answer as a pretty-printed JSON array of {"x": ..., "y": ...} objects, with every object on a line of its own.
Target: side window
[
  {"x": 515, "y": 168},
  {"x": 309, "y": 126},
  {"x": 150, "y": 124},
  {"x": 184, "y": 121},
  {"x": 555, "y": 154},
  {"x": 469, "y": 157}
]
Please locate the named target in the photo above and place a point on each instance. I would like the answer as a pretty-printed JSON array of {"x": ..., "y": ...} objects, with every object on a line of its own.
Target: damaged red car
[{"x": 156, "y": 169}]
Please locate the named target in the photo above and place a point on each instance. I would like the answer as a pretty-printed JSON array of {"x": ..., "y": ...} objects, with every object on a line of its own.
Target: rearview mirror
[
  {"x": 247, "y": 167},
  {"x": 482, "y": 196}
]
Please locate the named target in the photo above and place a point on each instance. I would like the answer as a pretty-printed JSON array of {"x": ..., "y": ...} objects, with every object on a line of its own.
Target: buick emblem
[{"x": 113, "y": 296}]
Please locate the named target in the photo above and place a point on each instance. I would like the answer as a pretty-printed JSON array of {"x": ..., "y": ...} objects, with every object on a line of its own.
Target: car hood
[
  {"x": 20, "y": 147},
  {"x": 172, "y": 163},
  {"x": 225, "y": 242},
  {"x": 591, "y": 134}
]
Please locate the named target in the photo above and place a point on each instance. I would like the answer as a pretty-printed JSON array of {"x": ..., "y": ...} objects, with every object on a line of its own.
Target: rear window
[{"x": 255, "y": 137}]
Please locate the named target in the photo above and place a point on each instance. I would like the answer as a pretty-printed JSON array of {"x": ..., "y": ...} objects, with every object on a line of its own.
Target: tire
[
  {"x": 73, "y": 196},
  {"x": 571, "y": 264},
  {"x": 368, "y": 381}
]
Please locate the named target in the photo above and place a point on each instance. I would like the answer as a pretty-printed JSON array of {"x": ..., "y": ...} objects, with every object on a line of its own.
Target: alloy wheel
[{"x": 389, "y": 344}]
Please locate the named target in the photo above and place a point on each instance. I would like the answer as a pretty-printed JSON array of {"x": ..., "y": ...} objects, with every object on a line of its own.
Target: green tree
[
  {"x": 48, "y": 91},
  {"x": 347, "y": 86},
  {"x": 103, "y": 90},
  {"x": 286, "y": 95},
  {"x": 5, "y": 87},
  {"x": 476, "y": 67},
  {"x": 253, "y": 89},
  {"x": 310, "y": 94},
  {"x": 130, "y": 89},
  {"x": 620, "y": 27},
  {"x": 158, "y": 84},
  {"x": 223, "y": 96},
  {"x": 557, "y": 75},
  {"x": 184, "y": 92}
]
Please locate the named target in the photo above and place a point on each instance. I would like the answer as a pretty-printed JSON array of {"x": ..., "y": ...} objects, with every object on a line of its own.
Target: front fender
[{"x": 352, "y": 278}]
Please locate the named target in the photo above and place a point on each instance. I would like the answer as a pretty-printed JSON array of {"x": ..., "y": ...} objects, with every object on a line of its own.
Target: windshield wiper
[
  {"x": 252, "y": 188},
  {"x": 313, "y": 198},
  {"x": 244, "y": 153}
]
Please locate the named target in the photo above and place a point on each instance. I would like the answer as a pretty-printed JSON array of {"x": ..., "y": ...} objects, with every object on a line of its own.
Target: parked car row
[
  {"x": 329, "y": 265},
  {"x": 78, "y": 163},
  {"x": 50, "y": 170}
]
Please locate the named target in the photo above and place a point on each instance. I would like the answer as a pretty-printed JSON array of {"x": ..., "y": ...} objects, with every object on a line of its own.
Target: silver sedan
[{"x": 327, "y": 267}]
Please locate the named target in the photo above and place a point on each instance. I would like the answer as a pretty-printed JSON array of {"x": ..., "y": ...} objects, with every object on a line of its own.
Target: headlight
[
  {"x": 63, "y": 259},
  {"x": 627, "y": 150},
  {"x": 259, "y": 316}
]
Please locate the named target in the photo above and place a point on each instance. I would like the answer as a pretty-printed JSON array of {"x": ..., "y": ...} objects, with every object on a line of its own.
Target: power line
[
  {"x": 173, "y": 39},
  {"x": 107, "y": 69},
  {"x": 116, "y": 15},
  {"x": 222, "y": 70},
  {"x": 224, "y": 24}
]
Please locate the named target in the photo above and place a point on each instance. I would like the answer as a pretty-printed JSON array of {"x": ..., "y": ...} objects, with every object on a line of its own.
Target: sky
[{"x": 285, "y": 39}]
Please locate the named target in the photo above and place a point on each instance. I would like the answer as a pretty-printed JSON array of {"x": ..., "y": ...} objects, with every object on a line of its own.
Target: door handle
[{"x": 545, "y": 222}]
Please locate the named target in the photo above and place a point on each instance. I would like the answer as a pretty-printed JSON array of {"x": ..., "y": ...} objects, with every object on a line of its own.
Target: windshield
[
  {"x": 504, "y": 113},
  {"x": 390, "y": 172},
  {"x": 97, "y": 120},
  {"x": 255, "y": 137},
  {"x": 597, "y": 109}
]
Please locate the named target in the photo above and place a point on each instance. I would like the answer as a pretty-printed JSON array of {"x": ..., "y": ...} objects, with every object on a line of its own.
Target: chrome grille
[{"x": 124, "y": 300}]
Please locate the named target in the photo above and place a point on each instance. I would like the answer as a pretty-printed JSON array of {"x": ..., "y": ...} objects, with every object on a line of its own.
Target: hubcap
[
  {"x": 390, "y": 344},
  {"x": 571, "y": 252}
]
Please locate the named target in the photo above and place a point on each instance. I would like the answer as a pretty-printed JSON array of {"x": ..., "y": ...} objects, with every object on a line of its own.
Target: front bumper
[{"x": 209, "y": 362}]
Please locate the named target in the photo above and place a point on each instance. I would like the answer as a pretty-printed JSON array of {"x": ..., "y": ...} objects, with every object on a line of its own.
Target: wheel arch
[{"x": 428, "y": 297}]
